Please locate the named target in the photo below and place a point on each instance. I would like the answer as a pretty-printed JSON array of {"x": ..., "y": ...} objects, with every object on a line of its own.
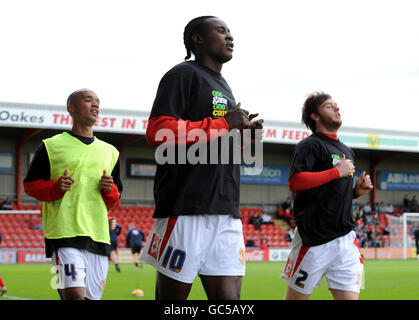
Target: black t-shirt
[
  {"x": 40, "y": 169},
  {"x": 190, "y": 91},
  {"x": 323, "y": 213}
]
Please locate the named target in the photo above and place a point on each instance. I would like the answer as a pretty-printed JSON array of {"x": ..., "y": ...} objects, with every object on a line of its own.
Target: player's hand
[
  {"x": 253, "y": 132},
  {"x": 106, "y": 182},
  {"x": 237, "y": 118},
  {"x": 345, "y": 167},
  {"x": 363, "y": 185},
  {"x": 65, "y": 182},
  {"x": 258, "y": 124}
]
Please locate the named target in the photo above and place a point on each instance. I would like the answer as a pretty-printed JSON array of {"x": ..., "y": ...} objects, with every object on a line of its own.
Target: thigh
[
  {"x": 222, "y": 287},
  {"x": 71, "y": 268},
  {"x": 346, "y": 273},
  {"x": 174, "y": 249},
  {"x": 306, "y": 266},
  {"x": 170, "y": 289},
  {"x": 75, "y": 293},
  {"x": 344, "y": 295},
  {"x": 292, "y": 294},
  {"x": 225, "y": 256},
  {"x": 97, "y": 271}
]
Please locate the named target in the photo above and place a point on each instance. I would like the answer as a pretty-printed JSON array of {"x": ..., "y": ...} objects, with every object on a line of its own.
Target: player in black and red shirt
[
  {"x": 321, "y": 176},
  {"x": 198, "y": 228}
]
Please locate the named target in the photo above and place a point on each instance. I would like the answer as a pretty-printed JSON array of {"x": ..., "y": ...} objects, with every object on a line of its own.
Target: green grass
[{"x": 384, "y": 280}]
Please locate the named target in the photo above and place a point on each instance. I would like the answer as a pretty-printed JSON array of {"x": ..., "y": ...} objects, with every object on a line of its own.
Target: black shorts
[
  {"x": 114, "y": 245},
  {"x": 136, "y": 249}
]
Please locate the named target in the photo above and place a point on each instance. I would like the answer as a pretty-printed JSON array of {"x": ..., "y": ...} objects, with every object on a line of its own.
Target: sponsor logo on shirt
[
  {"x": 219, "y": 104},
  {"x": 335, "y": 159}
]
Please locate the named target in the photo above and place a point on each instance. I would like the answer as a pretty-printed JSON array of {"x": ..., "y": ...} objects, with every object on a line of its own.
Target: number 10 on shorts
[{"x": 175, "y": 259}]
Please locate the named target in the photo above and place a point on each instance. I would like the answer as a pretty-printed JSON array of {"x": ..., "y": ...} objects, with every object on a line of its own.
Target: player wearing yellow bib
[{"x": 69, "y": 174}]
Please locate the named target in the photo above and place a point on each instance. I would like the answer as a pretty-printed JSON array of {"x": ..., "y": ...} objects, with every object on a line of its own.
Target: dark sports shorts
[
  {"x": 114, "y": 245},
  {"x": 136, "y": 249}
]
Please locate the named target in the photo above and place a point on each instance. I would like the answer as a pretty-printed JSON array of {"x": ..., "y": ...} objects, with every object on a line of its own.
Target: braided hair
[{"x": 195, "y": 26}]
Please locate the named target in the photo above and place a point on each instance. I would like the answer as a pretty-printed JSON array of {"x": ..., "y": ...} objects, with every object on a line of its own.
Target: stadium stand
[{"x": 17, "y": 231}]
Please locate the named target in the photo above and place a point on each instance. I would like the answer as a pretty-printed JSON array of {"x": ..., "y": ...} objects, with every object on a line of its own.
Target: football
[{"x": 138, "y": 293}]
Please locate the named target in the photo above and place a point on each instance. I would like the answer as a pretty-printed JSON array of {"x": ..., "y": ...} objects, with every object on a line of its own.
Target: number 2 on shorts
[{"x": 299, "y": 280}]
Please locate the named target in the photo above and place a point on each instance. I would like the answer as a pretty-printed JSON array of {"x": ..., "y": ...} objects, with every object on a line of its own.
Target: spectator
[
  {"x": 374, "y": 208},
  {"x": 285, "y": 212},
  {"x": 250, "y": 242},
  {"x": 35, "y": 222},
  {"x": 373, "y": 242},
  {"x": 7, "y": 204},
  {"x": 381, "y": 207},
  {"x": 389, "y": 209},
  {"x": 286, "y": 205},
  {"x": 367, "y": 208},
  {"x": 363, "y": 241},
  {"x": 264, "y": 243},
  {"x": 134, "y": 239},
  {"x": 256, "y": 220},
  {"x": 406, "y": 203},
  {"x": 266, "y": 218},
  {"x": 369, "y": 219},
  {"x": 290, "y": 234},
  {"x": 356, "y": 211},
  {"x": 358, "y": 233},
  {"x": 386, "y": 230},
  {"x": 413, "y": 204}
]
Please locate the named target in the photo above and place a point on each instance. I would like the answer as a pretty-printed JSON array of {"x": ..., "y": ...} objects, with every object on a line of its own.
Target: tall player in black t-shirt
[
  {"x": 198, "y": 228},
  {"x": 321, "y": 176}
]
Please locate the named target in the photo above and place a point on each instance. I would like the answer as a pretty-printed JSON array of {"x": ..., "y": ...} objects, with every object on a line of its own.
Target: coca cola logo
[{"x": 255, "y": 255}]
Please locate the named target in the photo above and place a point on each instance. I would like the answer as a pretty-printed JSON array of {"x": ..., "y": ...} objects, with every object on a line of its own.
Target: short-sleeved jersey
[
  {"x": 325, "y": 212},
  {"x": 193, "y": 92}
]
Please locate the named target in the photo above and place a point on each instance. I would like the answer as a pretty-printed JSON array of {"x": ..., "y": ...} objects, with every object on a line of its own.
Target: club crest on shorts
[
  {"x": 154, "y": 246},
  {"x": 242, "y": 255},
  {"x": 102, "y": 285},
  {"x": 289, "y": 268}
]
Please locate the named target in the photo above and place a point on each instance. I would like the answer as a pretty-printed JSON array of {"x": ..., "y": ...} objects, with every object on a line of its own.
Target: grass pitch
[{"x": 384, "y": 280}]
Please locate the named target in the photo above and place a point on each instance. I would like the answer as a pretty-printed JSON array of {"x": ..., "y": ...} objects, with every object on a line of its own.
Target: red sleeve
[
  {"x": 180, "y": 136},
  {"x": 308, "y": 180},
  {"x": 111, "y": 197},
  {"x": 42, "y": 190}
]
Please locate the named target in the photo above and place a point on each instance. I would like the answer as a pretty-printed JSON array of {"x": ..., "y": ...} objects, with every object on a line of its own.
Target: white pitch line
[{"x": 15, "y": 298}]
